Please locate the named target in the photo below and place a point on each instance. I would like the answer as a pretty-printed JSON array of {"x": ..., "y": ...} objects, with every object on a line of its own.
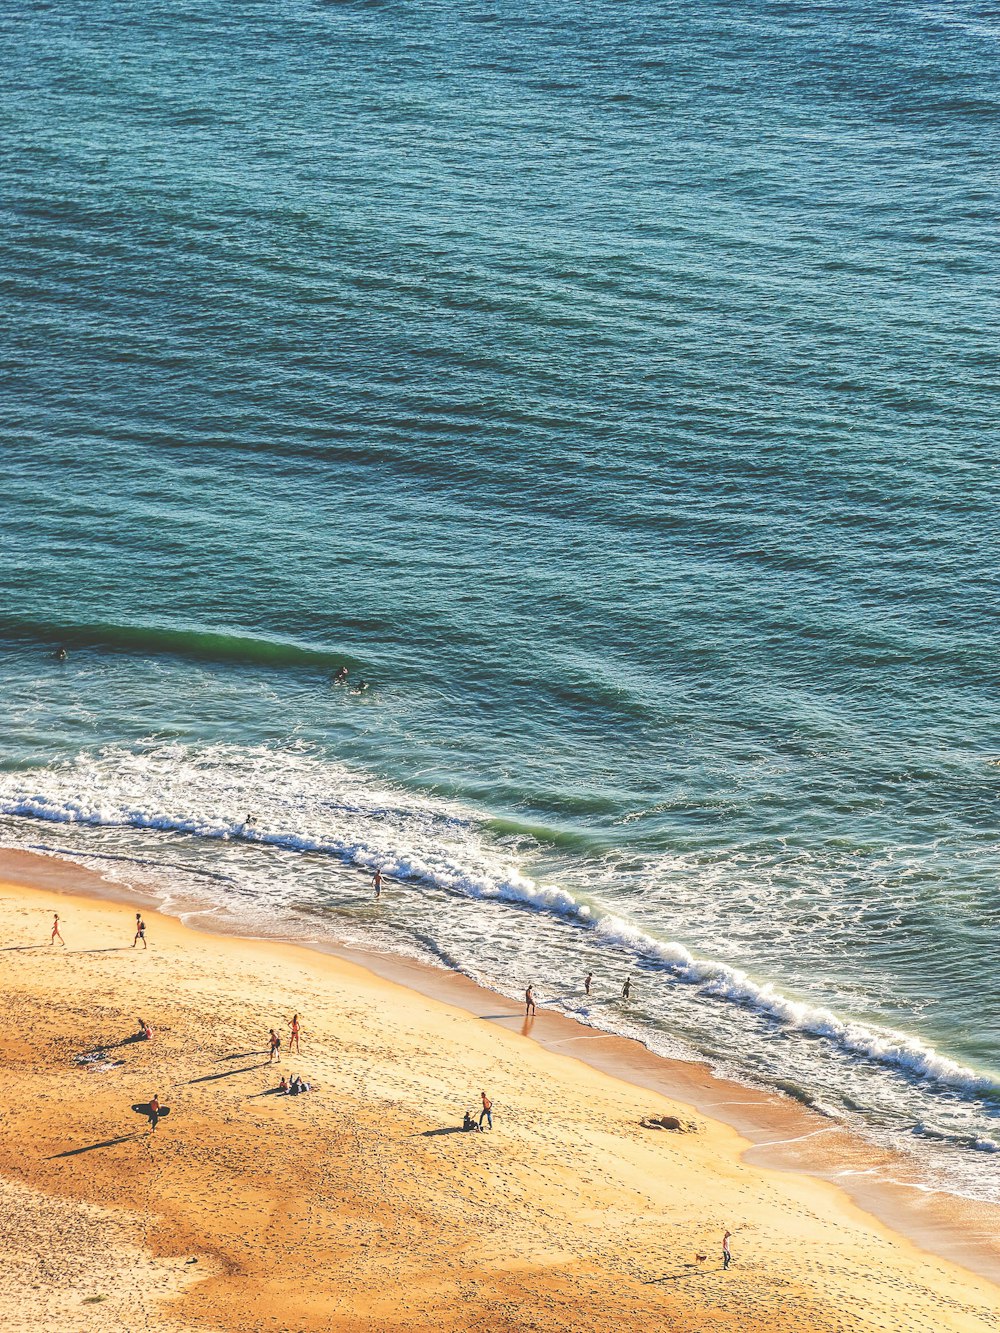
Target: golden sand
[{"x": 360, "y": 1205}]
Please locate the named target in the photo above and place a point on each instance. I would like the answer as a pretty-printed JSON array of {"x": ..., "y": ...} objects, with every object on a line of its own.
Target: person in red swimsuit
[
  {"x": 55, "y": 931},
  {"x": 293, "y": 1040}
]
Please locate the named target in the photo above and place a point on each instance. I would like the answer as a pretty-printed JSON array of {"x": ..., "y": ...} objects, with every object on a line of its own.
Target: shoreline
[{"x": 780, "y": 1133}]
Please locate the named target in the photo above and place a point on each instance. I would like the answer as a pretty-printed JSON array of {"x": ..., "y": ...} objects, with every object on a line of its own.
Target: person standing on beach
[
  {"x": 377, "y": 883},
  {"x": 586, "y": 985},
  {"x": 727, "y": 1258},
  {"x": 293, "y": 1040},
  {"x": 627, "y": 988},
  {"x": 275, "y": 1041},
  {"x": 529, "y": 1001},
  {"x": 55, "y": 931},
  {"x": 487, "y": 1112},
  {"x": 154, "y": 1113},
  {"x": 140, "y": 932}
]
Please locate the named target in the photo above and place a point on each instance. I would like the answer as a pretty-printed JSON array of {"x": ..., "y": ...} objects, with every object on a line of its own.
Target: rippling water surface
[{"x": 614, "y": 389}]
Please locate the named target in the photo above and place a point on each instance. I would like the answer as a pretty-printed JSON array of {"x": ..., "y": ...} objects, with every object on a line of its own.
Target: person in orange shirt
[
  {"x": 154, "y": 1113},
  {"x": 487, "y": 1112}
]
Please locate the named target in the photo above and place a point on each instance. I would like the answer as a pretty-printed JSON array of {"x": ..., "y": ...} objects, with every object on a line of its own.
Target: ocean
[{"x": 613, "y": 388}]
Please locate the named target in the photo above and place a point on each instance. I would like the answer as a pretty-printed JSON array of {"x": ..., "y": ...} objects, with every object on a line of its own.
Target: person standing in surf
[
  {"x": 55, "y": 931},
  {"x": 627, "y": 988},
  {"x": 529, "y": 1001},
  {"x": 377, "y": 883},
  {"x": 587, "y": 980}
]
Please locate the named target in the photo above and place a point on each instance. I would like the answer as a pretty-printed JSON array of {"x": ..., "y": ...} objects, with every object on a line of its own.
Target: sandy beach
[{"x": 362, "y": 1204}]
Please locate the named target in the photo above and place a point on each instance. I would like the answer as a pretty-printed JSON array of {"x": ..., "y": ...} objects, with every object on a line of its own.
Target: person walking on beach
[
  {"x": 293, "y": 1040},
  {"x": 487, "y": 1112},
  {"x": 55, "y": 931},
  {"x": 154, "y": 1113},
  {"x": 377, "y": 883},
  {"x": 529, "y": 1001},
  {"x": 275, "y": 1042},
  {"x": 627, "y": 988},
  {"x": 140, "y": 932},
  {"x": 727, "y": 1258},
  {"x": 586, "y": 985}
]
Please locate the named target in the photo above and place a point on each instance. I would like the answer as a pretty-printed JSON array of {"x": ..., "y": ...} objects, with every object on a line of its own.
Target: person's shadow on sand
[{"x": 90, "y": 1147}]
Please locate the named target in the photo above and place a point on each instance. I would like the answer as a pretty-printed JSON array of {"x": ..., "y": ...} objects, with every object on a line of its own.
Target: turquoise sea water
[{"x": 615, "y": 389}]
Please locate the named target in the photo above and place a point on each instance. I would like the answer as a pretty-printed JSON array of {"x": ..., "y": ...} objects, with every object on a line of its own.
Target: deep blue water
[{"x": 615, "y": 389}]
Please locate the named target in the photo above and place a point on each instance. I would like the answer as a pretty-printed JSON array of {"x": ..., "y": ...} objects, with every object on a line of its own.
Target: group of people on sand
[
  {"x": 529, "y": 994},
  {"x": 470, "y": 1124},
  {"x": 140, "y": 931}
]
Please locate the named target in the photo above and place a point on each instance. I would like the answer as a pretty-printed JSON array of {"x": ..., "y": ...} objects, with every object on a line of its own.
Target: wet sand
[{"x": 361, "y": 1205}]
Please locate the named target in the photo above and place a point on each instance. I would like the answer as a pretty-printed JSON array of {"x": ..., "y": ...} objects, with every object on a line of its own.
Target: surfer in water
[
  {"x": 361, "y": 687},
  {"x": 341, "y": 677},
  {"x": 60, "y": 654}
]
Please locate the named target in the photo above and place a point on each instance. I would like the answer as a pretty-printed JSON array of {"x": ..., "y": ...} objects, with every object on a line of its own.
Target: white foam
[{"x": 302, "y": 803}]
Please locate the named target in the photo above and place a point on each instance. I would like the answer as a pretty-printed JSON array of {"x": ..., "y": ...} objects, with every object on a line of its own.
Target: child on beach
[
  {"x": 275, "y": 1042},
  {"x": 55, "y": 931}
]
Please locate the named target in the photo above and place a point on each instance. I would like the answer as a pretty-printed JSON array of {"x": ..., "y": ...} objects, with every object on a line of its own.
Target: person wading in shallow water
[
  {"x": 529, "y": 1000},
  {"x": 588, "y": 980},
  {"x": 627, "y": 988},
  {"x": 377, "y": 883}
]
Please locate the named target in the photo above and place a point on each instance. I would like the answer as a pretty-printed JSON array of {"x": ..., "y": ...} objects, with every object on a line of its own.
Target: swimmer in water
[
  {"x": 377, "y": 883},
  {"x": 341, "y": 676},
  {"x": 587, "y": 980},
  {"x": 61, "y": 654},
  {"x": 627, "y": 988}
]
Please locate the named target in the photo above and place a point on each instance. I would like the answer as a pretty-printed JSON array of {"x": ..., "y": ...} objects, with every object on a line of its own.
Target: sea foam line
[{"x": 887, "y": 1047}]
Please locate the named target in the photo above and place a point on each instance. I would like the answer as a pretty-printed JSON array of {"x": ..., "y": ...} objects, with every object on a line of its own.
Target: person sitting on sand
[
  {"x": 145, "y": 1032},
  {"x": 295, "y": 1087},
  {"x": 469, "y": 1124},
  {"x": 283, "y": 1085}
]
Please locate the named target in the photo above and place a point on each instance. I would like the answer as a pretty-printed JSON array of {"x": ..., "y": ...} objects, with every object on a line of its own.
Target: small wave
[
  {"x": 305, "y": 805},
  {"x": 975, "y": 1142},
  {"x": 191, "y": 644}
]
